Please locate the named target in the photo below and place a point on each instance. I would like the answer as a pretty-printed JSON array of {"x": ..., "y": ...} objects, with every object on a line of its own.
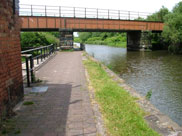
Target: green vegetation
[
  {"x": 67, "y": 50},
  {"x": 23, "y": 59},
  {"x": 77, "y": 40},
  {"x": 171, "y": 35},
  {"x": 173, "y": 29},
  {"x": 148, "y": 95},
  {"x": 28, "y": 103},
  {"x": 52, "y": 37},
  {"x": 31, "y": 40},
  {"x": 9, "y": 127},
  {"x": 158, "y": 16},
  {"x": 103, "y": 38},
  {"x": 170, "y": 38},
  {"x": 122, "y": 116},
  {"x": 37, "y": 39}
]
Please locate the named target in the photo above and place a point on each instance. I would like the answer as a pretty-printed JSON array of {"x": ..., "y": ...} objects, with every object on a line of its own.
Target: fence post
[
  {"x": 119, "y": 14},
  {"x": 45, "y": 10},
  {"x": 44, "y": 53},
  {"x": 85, "y": 13},
  {"x": 97, "y": 13},
  {"x": 50, "y": 50},
  {"x": 31, "y": 11},
  {"x": 31, "y": 69},
  {"x": 41, "y": 55},
  {"x": 47, "y": 52},
  {"x": 53, "y": 48},
  {"x": 108, "y": 13},
  {"x": 74, "y": 11},
  {"x": 27, "y": 71},
  {"x": 129, "y": 15},
  {"x": 59, "y": 11},
  {"x": 37, "y": 57}
]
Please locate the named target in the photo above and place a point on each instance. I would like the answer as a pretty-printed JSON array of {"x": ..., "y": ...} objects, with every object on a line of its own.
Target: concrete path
[{"x": 65, "y": 109}]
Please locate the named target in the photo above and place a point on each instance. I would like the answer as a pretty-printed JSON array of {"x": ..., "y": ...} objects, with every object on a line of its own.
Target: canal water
[{"x": 156, "y": 71}]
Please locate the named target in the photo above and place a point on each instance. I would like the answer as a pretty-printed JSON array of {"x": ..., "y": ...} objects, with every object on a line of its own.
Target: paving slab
[{"x": 65, "y": 108}]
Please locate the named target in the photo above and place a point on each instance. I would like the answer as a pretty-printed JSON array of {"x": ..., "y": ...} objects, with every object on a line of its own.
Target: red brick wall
[{"x": 11, "y": 86}]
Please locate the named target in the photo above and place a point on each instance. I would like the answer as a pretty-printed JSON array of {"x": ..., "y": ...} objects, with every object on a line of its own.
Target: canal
[{"x": 157, "y": 71}]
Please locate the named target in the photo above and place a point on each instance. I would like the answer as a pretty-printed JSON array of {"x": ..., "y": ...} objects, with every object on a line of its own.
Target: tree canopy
[
  {"x": 172, "y": 32},
  {"x": 36, "y": 39},
  {"x": 158, "y": 16}
]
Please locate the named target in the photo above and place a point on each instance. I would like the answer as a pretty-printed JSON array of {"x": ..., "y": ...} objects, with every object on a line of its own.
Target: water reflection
[{"x": 158, "y": 71}]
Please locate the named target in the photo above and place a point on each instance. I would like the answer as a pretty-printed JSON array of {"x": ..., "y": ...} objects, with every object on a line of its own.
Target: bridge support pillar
[
  {"x": 66, "y": 39},
  {"x": 138, "y": 40},
  {"x": 133, "y": 40}
]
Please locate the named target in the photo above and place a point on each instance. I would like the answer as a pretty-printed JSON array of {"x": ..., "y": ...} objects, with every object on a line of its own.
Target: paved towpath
[{"x": 65, "y": 109}]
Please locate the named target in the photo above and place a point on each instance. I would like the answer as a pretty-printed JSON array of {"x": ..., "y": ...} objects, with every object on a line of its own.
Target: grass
[
  {"x": 114, "y": 41},
  {"x": 122, "y": 116},
  {"x": 67, "y": 50},
  {"x": 112, "y": 44},
  {"x": 28, "y": 103}
]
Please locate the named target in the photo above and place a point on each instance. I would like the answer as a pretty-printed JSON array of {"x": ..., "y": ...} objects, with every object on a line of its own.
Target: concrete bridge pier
[
  {"x": 138, "y": 40},
  {"x": 66, "y": 39}
]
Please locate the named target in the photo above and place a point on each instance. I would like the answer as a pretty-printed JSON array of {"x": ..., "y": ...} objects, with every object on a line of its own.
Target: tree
[
  {"x": 158, "y": 16},
  {"x": 84, "y": 36},
  {"x": 33, "y": 39},
  {"x": 56, "y": 34},
  {"x": 172, "y": 32}
]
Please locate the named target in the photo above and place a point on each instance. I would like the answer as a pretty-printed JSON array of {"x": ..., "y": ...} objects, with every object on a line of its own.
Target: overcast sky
[{"x": 131, "y": 5}]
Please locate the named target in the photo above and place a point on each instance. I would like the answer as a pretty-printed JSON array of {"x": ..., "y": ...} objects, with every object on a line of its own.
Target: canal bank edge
[
  {"x": 156, "y": 120},
  {"x": 95, "y": 106}
]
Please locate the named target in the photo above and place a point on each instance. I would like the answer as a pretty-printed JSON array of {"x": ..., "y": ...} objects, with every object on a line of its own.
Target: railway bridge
[{"x": 67, "y": 20}]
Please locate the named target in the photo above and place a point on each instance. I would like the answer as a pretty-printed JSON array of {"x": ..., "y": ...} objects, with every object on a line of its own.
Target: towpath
[{"x": 65, "y": 109}]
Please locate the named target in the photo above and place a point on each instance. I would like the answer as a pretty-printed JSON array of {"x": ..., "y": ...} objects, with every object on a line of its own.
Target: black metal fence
[
  {"x": 79, "y": 12},
  {"x": 38, "y": 55}
]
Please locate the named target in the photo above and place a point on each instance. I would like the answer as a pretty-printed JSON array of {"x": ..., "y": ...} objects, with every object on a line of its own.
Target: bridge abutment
[
  {"x": 11, "y": 83},
  {"x": 66, "y": 39},
  {"x": 138, "y": 40}
]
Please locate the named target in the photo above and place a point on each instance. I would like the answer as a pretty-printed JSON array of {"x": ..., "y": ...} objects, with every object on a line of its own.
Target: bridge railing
[
  {"x": 32, "y": 56},
  {"x": 79, "y": 12}
]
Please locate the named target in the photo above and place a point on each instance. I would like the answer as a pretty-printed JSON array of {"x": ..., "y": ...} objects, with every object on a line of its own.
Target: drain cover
[{"x": 39, "y": 89}]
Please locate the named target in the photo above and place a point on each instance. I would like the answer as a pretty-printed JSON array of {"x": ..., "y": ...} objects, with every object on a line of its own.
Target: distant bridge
[{"x": 72, "y": 19}]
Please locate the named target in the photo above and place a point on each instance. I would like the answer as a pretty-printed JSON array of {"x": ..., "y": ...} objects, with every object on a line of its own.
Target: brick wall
[{"x": 11, "y": 86}]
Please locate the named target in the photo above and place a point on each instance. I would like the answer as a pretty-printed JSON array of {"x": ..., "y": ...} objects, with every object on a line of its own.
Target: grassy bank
[
  {"x": 112, "y": 44},
  {"x": 115, "y": 41},
  {"x": 103, "y": 42},
  {"x": 122, "y": 116},
  {"x": 103, "y": 38}
]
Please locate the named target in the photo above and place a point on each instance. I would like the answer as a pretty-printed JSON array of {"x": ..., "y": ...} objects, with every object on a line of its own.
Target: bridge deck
[{"x": 80, "y": 24}]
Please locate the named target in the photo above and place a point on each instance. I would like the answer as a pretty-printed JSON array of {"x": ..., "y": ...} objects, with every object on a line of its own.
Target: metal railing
[
  {"x": 33, "y": 55},
  {"x": 79, "y": 12}
]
